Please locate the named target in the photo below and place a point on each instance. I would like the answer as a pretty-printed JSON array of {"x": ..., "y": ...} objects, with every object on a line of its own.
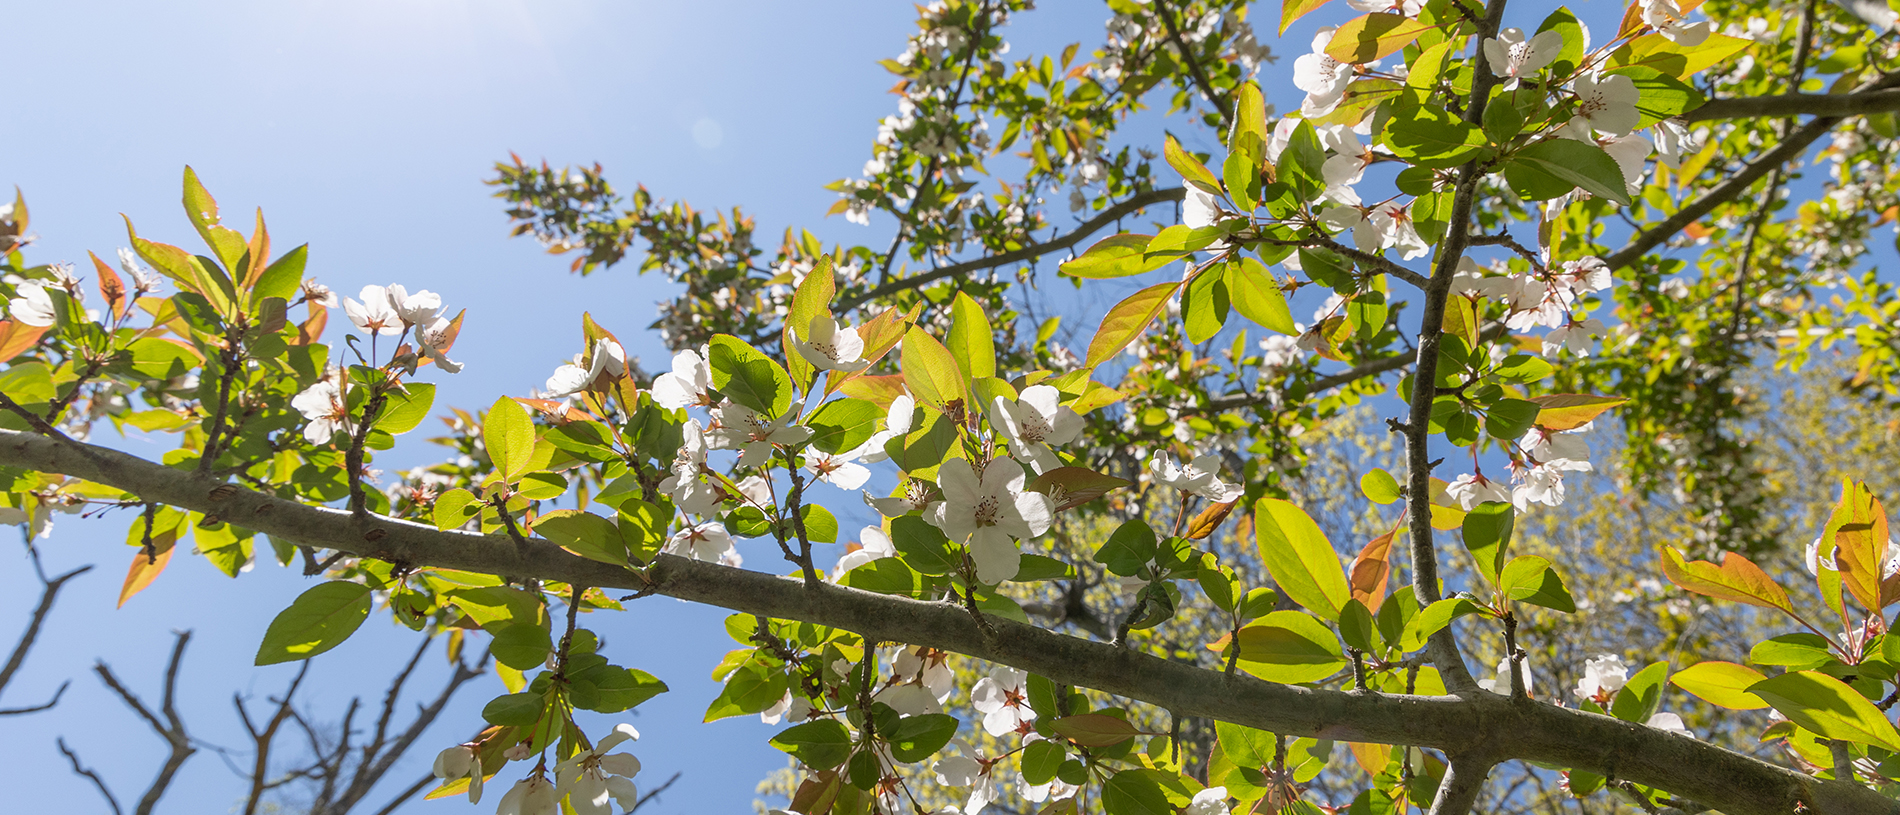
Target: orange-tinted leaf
[
  {"x": 1128, "y": 320},
  {"x": 1859, "y": 531},
  {"x": 555, "y": 411},
  {"x": 1371, "y": 569},
  {"x": 16, "y": 337},
  {"x": 259, "y": 249},
  {"x": 312, "y": 329},
  {"x": 880, "y": 334},
  {"x": 146, "y": 569},
  {"x": 812, "y": 298},
  {"x": 878, "y": 390},
  {"x": 1737, "y": 579},
  {"x": 1569, "y": 411},
  {"x": 1632, "y": 20},
  {"x": 1291, "y": 10},
  {"x": 110, "y": 286},
  {"x": 1209, "y": 520},
  {"x": 1373, "y": 36},
  {"x": 1371, "y": 757}
]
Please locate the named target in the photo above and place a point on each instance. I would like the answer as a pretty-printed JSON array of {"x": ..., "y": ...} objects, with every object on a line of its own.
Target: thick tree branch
[
  {"x": 1736, "y": 184},
  {"x": 1458, "y": 790},
  {"x": 1089, "y": 227},
  {"x": 1836, "y": 105},
  {"x": 1734, "y": 783}
]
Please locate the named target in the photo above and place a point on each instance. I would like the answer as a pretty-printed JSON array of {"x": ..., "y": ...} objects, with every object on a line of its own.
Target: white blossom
[
  {"x": 1472, "y": 489},
  {"x": 915, "y": 495},
  {"x": 609, "y": 359},
  {"x": 530, "y": 796},
  {"x": 1602, "y": 676},
  {"x": 708, "y": 541},
  {"x": 1513, "y": 58},
  {"x": 1210, "y": 801},
  {"x": 461, "y": 761},
  {"x": 897, "y": 423},
  {"x": 1200, "y": 476},
  {"x": 1501, "y": 684},
  {"x": 1670, "y": 723},
  {"x": 1035, "y": 422},
  {"x": 433, "y": 339},
  {"x": 690, "y": 491},
  {"x": 873, "y": 545},
  {"x": 1003, "y": 699},
  {"x": 1607, "y": 103},
  {"x": 837, "y": 469},
  {"x": 413, "y": 309},
  {"x": 831, "y": 348},
  {"x": 989, "y": 512},
  {"x": 736, "y": 427},
  {"x": 323, "y": 406},
  {"x": 1668, "y": 20},
  {"x": 1322, "y": 77},
  {"x": 1199, "y": 208},
  {"x": 31, "y": 305},
  {"x": 594, "y": 777},
  {"x": 374, "y": 314},
  {"x": 686, "y": 385}
]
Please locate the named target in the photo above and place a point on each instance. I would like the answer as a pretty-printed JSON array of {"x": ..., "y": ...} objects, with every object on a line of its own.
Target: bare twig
[
  {"x": 90, "y": 775},
  {"x": 171, "y": 728},
  {"x": 1798, "y": 104},
  {"x": 262, "y": 739},
  {"x": 1214, "y": 97},
  {"x": 1089, "y": 227},
  {"x": 653, "y": 793},
  {"x": 48, "y": 595}
]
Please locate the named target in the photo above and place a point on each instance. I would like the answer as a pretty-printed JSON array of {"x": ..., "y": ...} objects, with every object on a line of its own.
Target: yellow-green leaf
[
  {"x": 931, "y": 372},
  {"x": 1290, "y": 646},
  {"x": 1569, "y": 411},
  {"x": 1291, "y": 10},
  {"x": 1300, "y": 558},
  {"x": 1827, "y": 706},
  {"x": 1373, "y": 36},
  {"x": 970, "y": 338},
  {"x": 1191, "y": 169},
  {"x": 1126, "y": 321},
  {"x": 318, "y": 620},
  {"x": 1723, "y": 684},
  {"x": 508, "y": 434}
]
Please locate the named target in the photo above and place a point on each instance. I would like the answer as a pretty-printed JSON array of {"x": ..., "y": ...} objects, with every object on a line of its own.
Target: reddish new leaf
[
  {"x": 1569, "y": 411},
  {"x": 1737, "y": 578},
  {"x": 1128, "y": 320}
]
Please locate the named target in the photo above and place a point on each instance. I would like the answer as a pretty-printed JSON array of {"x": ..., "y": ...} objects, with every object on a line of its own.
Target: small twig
[
  {"x": 653, "y": 793},
  {"x": 47, "y": 596},
  {"x": 1195, "y": 70},
  {"x": 33, "y": 420},
  {"x": 353, "y": 459},
  {"x": 87, "y": 773},
  {"x": 171, "y": 729}
]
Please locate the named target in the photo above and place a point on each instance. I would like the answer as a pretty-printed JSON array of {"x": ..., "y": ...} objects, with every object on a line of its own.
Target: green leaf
[
  {"x": 1430, "y": 620},
  {"x": 1190, "y": 168},
  {"x": 1374, "y": 36},
  {"x": 202, "y": 210},
  {"x": 1723, "y": 684},
  {"x": 617, "y": 689},
  {"x": 1301, "y": 163},
  {"x": 1642, "y": 694},
  {"x": 1355, "y": 626},
  {"x": 318, "y": 620},
  {"x": 812, "y": 299},
  {"x": 403, "y": 411},
  {"x": 1257, "y": 296},
  {"x": 749, "y": 689},
  {"x": 1799, "y": 651},
  {"x": 508, "y": 434},
  {"x": 1430, "y": 136},
  {"x": 820, "y": 745},
  {"x": 749, "y": 377},
  {"x": 516, "y": 709},
  {"x": 1116, "y": 256},
  {"x": 1564, "y": 23},
  {"x": 840, "y": 425},
  {"x": 1299, "y": 557},
  {"x": 923, "y": 546},
  {"x": 1829, "y": 707},
  {"x": 1137, "y": 792},
  {"x": 1487, "y": 532},
  {"x": 1532, "y": 579},
  {"x": 1095, "y": 729},
  {"x": 1042, "y": 567},
  {"x": 454, "y": 507},
  {"x": 1562, "y": 164},
  {"x": 887, "y": 576},
  {"x": 1204, "y": 308},
  {"x": 584, "y": 533},
  {"x": 283, "y": 276},
  {"x": 971, "y": 341},
  {"x": 1663, "y": 96},
  {"x": 1379, "y": 486},
  {"x": 1569, "y": 411},
  {"x": 1290, "y": 646},
  {"x": 1291, "y": 10},
  {"x": 931, "y": 371},
  {"x": 1127, "y": 320},
  {"x": 1131, "y": 547},
  {"x": 522, "y": 646},
  {"x": 919, "y": 737},
  {"x": 1040, "y": 760}
]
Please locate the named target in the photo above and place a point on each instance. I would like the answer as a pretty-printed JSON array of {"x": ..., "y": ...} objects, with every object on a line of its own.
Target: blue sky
[{"x": 365, "y": 127}]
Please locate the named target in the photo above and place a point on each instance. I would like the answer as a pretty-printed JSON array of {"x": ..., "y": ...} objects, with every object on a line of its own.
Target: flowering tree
[{"x": 1469, "y": 200}]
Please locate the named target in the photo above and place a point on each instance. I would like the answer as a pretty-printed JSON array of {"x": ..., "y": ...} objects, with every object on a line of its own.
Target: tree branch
[
  {"x": 1835, "y": 105},
  {"x": 1089, "y": 227},
  {"x": 1214, "y": 97},
  {"x": 1458, "y": 790},
  {"x": 90, "y": 775},
  {"x": 172, "y": 729},
  {"x": 260, "y": 768},
  {"x": 47, "y": 596},
  {"x": 1735, "y": 184},
  {"x": 1736, "y": 784}
]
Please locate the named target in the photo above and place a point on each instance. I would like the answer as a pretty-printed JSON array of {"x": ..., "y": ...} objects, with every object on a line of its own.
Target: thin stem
[{"x": 1195, "y": 70}]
